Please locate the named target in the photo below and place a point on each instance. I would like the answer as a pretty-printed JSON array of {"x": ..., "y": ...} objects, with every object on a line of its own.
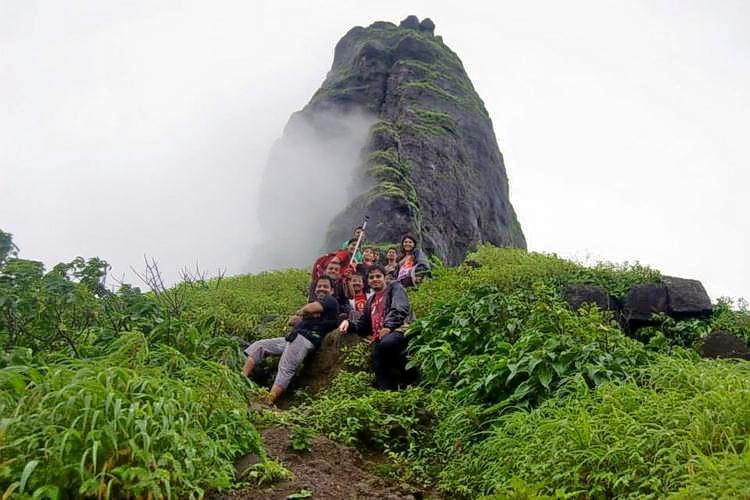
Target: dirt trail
[{"x": 329, "y": 470}]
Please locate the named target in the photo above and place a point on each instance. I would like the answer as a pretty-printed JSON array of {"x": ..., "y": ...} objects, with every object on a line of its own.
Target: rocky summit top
[{"x": 430, "y": 164}]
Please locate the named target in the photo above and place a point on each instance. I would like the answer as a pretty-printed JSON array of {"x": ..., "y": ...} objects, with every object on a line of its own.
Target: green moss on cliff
[
  {"x": 428, "y": 86},
  {"x": 420, "y": 90}
]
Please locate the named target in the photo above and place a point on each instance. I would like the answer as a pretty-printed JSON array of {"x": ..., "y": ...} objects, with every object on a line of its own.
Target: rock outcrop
[
  {"x": 724, "y": 345},
  {"x": 430, "y": 164},
  {"x": 679, "y": 298},
  {"x": 579, "y": 294}
]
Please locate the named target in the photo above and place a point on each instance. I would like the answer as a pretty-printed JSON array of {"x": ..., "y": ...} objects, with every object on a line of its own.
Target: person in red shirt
[
  {"x": 358, "y": 296},
  {"x": 385, "y": 318}
]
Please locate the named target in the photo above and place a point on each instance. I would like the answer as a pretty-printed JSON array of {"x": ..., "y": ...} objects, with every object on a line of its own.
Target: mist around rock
[{"x": 318, "y": 156}]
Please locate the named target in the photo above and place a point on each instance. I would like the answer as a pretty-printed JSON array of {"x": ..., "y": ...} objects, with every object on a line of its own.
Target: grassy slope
[{"x": 520, "y": 396}]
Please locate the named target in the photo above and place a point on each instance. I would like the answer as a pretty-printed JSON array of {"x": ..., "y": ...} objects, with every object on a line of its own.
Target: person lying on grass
[
  {"x": 309, "y": 325},
  {"x": 385, "y": 318}
]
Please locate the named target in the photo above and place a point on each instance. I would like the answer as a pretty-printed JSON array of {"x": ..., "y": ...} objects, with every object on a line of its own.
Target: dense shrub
[
  {"x": 253, "y": 306},
  {"x": 631, "y": 439},
  {"x": 512, "y": 269},
  {"x": 138, "y": 394},
  {"x": 136, "y": 421},
  {"x": 517, "y": 348}
]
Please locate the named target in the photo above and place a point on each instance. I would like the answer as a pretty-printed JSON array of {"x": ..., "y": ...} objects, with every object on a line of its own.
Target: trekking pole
[{"x": 359, "y": 240}]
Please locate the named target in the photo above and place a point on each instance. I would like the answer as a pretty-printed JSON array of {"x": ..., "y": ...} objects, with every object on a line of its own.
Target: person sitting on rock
[
  {"x": 385, "y": 318},
  {"x": 338, "y": 290},
  {"x": 414, "y": 265},
  {"x": 310, "y": 324}
]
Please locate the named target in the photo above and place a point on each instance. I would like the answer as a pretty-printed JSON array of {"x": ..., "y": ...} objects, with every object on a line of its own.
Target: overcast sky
[{"x": 139, "y": 127}]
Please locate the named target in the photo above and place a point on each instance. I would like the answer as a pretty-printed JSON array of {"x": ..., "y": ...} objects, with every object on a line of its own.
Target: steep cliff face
[{"x": 429, "y": 164}]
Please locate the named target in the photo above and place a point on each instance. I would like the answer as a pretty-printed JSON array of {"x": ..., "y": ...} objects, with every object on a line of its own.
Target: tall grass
[
  {"x": 134, "y": 422},
  {"x": 252, "y": 306},
  {"x": 649, "y": 439}
]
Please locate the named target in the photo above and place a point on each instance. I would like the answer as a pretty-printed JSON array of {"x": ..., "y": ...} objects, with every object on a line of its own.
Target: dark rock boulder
[
  {"x": 579, "y": 294},
  {"x": 687, "y": 298},
  {"x": 724, "y": 345},
  {"x": 641, "y": 302}
]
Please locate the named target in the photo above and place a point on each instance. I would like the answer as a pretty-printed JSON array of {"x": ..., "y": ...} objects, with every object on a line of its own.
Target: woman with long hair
[{"x": 413, "y": 264}]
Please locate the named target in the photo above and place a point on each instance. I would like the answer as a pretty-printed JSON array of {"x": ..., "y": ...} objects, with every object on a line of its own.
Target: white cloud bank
[{"x": 141, "y": 127}]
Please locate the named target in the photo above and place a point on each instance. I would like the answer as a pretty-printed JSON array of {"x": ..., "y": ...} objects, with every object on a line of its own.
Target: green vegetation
[
  {"x": 121, "y": 394},
  {"x": 522, "y": 397},
  {"x": 434, "y": 122},
  {"x": 137, "y": 420},
  {"x": 252, "y": 306},
  {"x": 136, "y": 394},
  {"x": 390, "y": 177}
]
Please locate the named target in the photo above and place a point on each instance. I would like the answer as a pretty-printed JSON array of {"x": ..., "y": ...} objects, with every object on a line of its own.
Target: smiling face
[
  {"x": 368, "y": 255},
  {"x": 408, "y": 245},
  {"x": 333, "y": 269},
  {"x": 376, "y": 279},
  {"x": 350, "y": 248},
  {"x": 323, "y": 288},
  {"x": 392, "y": 255},
  {"x": 357, "y": 283}
]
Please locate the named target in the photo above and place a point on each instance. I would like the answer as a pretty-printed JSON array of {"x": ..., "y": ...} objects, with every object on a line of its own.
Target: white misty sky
[{"x": 137, "y": 127}]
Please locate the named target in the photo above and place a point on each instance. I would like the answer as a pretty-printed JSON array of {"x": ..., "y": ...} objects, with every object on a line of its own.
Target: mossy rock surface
[{"x": 430, "y": 165}]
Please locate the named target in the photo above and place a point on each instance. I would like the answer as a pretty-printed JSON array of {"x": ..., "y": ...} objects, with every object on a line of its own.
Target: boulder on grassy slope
[
  {"x": 724, "y": 345},
  {"x": 686, "y": 298},
  {"x": 680, "y": 298},
  {"x": 577, "y": 295},
  {"x": 642, "y": 302}
]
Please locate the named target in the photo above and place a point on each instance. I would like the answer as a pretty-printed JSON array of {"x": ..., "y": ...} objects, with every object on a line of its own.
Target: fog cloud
[
  {"x": 145, "y": 127},
  {"x": 305, "y": 184}
]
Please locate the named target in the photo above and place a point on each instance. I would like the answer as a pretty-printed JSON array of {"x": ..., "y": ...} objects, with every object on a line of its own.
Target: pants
[
  {"x": 388, "y": 360},
  {"x": 292, "y": 354}
]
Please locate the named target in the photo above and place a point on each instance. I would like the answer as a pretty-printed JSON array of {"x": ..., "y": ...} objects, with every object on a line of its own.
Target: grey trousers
[{"x": 292, "y": 354}]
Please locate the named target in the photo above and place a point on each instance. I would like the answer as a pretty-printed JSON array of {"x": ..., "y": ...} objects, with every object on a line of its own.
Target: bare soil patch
[{"x": 328, "y": 470}]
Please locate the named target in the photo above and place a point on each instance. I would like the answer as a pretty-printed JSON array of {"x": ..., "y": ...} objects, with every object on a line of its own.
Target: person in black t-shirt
[
  {"x": 338, "y": 288},
  {"x": 309, "y": 325}
]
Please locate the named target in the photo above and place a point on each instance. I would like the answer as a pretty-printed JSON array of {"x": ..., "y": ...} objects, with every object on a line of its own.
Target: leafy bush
[
  {"x": 352, "y": 412},
  {"x": 620, "y": 439},
  {"x": 52, "y": 310},
  {"x": 253, "y": 306},
  {"x": 122, "y": 425},
  {"x": 512, "y": 269},
  {"x": 517, "y": 348},
  {"x": 732, "y": 317}
]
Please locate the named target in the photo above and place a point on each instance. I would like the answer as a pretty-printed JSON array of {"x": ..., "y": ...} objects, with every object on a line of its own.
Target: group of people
[{"x": 355, "y": 291}]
